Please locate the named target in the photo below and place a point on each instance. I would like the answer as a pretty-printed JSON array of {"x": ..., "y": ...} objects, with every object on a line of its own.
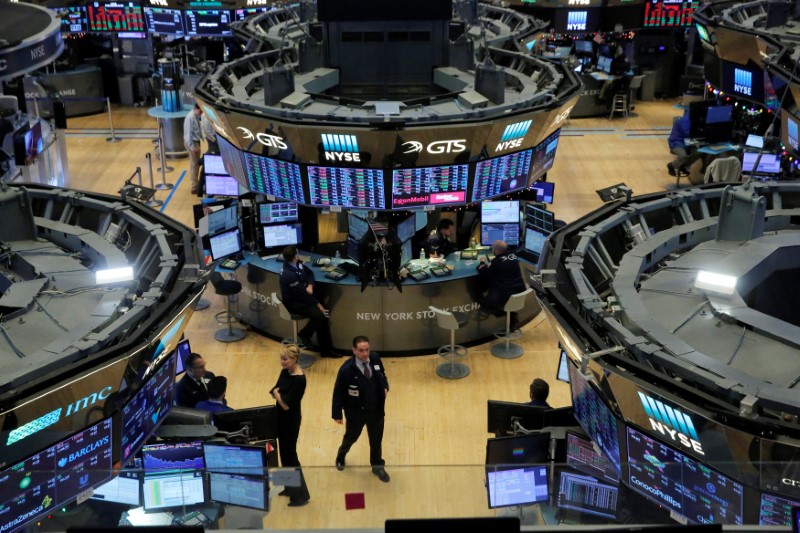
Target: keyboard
[
  {"x": 418, "y": 275},
  {"x": 441, "y": 271},
  {"x": 336, "y": 274},
  {"x": 230, "y": 264},
  {"x": 321, "y": 261},
  {"x": 193, "y": 518}
]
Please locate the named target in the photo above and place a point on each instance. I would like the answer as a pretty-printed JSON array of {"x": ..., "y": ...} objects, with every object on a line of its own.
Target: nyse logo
[
  {"x": 671, "y": 423},
  {"x": 576, "y": 20},
  {"x": 267, "y": 139},
  {"x": 513, "y": 135},
  {"x": 436, "y": 147},
  {"x": 38, "y": 52},
  {"x": 743, "y": 81},
  {"x": 340, "y": 147}
]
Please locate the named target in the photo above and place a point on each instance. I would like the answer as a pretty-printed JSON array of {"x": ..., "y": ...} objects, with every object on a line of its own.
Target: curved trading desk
[{"x": 397, "y": 323}]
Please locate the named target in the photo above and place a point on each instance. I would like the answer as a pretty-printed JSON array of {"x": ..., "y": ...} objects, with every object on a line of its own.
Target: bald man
[{"x": 504, "y": 279}]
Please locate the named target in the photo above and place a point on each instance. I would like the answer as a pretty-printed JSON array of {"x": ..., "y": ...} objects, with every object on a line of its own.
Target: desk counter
[{"x": 397, "y": 323}]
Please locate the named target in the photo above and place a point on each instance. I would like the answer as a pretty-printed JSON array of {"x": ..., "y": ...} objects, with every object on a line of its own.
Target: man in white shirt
[{"x": 192, "y": 136}]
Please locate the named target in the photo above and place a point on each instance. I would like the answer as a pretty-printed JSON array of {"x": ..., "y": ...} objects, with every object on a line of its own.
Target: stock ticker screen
[
  {"x": 669, "y": 14},
  {"x": 115, "y": 16},
  {"x": 501, "y": 175},
  {"x": 208, "y": 22},
  {"x": 273, "y": 176},
  {"x": 55, "y": 476},
  {"x": 775, "y": 510},
  {"x": 164, "y": 21},
  {"x": 361, "y": 188},
  {"x": 443, "y": 185},
  {"x": 544, "y": 154},
  {"x": 682, "y": 484},
  {"x": 73, "y": 19}
]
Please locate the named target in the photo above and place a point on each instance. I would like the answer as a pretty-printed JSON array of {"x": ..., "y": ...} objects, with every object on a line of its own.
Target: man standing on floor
[
  {"x": 192, "y": 136},
  {"x": 360, "y": 390}
]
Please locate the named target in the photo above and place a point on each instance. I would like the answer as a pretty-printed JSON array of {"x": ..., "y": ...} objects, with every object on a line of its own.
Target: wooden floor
[{"x": 435, "y": 437}]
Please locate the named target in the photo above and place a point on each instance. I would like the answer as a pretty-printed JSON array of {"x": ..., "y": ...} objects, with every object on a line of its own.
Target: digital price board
[
  {"x": 442, "y": 185},
  {"x": 115, "y": 16},
  {"x": 273, "y": 176},
  {"x": 165, "y": 21},
  {"x": 501, "y": 175},
  {"x": 207, "y": 22},
  {"x": 361, "y": 188}
]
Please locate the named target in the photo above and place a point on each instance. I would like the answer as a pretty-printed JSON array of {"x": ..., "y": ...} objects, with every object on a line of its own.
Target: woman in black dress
[{"x": 288, "y": 393}]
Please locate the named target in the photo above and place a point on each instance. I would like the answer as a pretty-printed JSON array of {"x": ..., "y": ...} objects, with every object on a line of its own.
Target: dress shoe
[
  {"x": 684, "y": 171},
  {"x": 298, "y": 503},
  {"x": 382, "y": 475},
  {"x": 339, "y": 464},
  {"x": 284, "y": 492},
  {"x": 671, "y": 169}
]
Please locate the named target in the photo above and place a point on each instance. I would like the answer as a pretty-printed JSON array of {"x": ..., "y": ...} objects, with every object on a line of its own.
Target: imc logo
[
  {"x": 742, "y": 81},
  {"x": 340, "y": 147},
  {"x": 671, "y": 423},
  {"x": 513, "y": 135},
  {"x": 576, "y": 20}
]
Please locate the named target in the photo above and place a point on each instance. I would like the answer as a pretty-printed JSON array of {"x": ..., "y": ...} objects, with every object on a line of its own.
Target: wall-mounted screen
[
  {"x": 516, "y": 486},
  {"x": 207, "y": 22},
  {"x": 582, "y": 456},
  {"x": 500, "y": 232},
  {"x": 225, "y": 244},
  {"x": 415, "y": 187},
  {"x": 115, "y": 16},
  {"x": 501, "y": 175},
  {"x": 775, "y": 510},
  {"x": 170, "y": 490},
  {"x": 544, "y": 155},
  {"x": 361, "y": 188},
  {"x": 73, "y": 19},
  {"x": 163, "y": 21},
  {"x": 682, "y": 484},
  {"x": 544, "y": 191},
  {"x": 282, "y": 235},
  {"x": 274, "y": 177},
  {"x": 500, "y": 211},
  {"x": 235, "y": 459},
  {"x": 669, "y": 14},
  {"x": 173, "y": 456},
  {"x": 277, "y": 212},
  {"x": 242, "y": 491},
  {"x": 241, "y": 14},
  {"x": 595, "y": 417},
  {"x": 587, "y": 495},
  {"x": 124, "y": 489}
]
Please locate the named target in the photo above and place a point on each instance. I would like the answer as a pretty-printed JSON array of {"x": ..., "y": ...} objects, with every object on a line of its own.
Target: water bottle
[
  {"x": 337, "y": 256},
  {"x": 473, "y": 243},
  {"x": 422, "y": 253}
]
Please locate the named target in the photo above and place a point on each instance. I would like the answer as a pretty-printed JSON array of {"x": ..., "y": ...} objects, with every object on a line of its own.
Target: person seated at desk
[
  {"x": 217, "y": 387},
  {"x": 677, "y": 145},
  {"x": 193, "y": 386},
  {"x": 504, "y": 279},
  {"x": 438, "y": 243},
  {"x": 297, "y": 293},
  {"x": 540, "y": 390}
]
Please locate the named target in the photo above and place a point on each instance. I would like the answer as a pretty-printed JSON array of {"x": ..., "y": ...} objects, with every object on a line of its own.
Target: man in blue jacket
[
  {"x": 360, "y": 391},
  {"x": 677, "y": 146},
  {"x": 504, "y": 279}
]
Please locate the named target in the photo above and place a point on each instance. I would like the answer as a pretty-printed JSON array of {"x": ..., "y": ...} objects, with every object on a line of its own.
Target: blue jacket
[
  {"x": 294, "y": 281},
  {"x": 505, "y": 278},
  {"x": 680, "y": 131}
]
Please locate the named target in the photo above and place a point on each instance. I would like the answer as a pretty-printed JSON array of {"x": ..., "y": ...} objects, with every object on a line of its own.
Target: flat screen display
[
  {"x": 148, "y": 406},
  {"x": 357, "y": 226},
  {"x": 768, "y": 164},
  {"x": 540, "y": 218},
  {"x": 754, "y": 141},
  {"x": 406, "y": 252},
  {"x": 243, "y": 491},
  {"x": 241, "y": 14},
  {"x": 544, "y": 191},
  {"x": 124, "y": 489},
  {"x": 115, "y": 16},
  {"x": 163, "y": 21},
  {"x": 73, "y": 19},
  {"x": 562, "y": 374},
  {"x": 283, "y": 235},
  {"x": 235, "y": 459},
  {"x": 225, "y": 244},
  {"x": 682, "y": 484},
  {"x": 595, "y": 417},
  {"x": 532, "y": 448},
  {"x": 56, "y": 475},
  {"x": 501, "y": 232},
  {"x": 173, "y": 456},
  {"x": 501, "y": 175},
  {"x": 534, "y": 242},
  {"x": 443, "y": 185},
  {"x": 277, "y": 212},
  {"x": 544, "y": 155},
  {"x": 274, "y": 177},
  {"x": 517, "y": 486},
  {"x": 500, "y": 211},
  {"x": 361, "y": 188},
  {"x": 172, "y": 489},
  {"x": 775, "y": 510},
  {"x": 223, "y": 219},
  {"x": 790, "y": 133},
  {"x": 669, "y": 14},
  {"x": 214, "y": 164},
  {"x": 584, "y": 47},
  {"x": 221, "y": 185},
  {"x": 587, "y": 495},
  {"x": 582, "y": 456},
  {"x": 183, "y": 350},
  {"x": 604, "y": 64},
  {"x": 719, "y": 113},
  {"x": 207, "y": 22},
  {"x": 406, "y": 228}
]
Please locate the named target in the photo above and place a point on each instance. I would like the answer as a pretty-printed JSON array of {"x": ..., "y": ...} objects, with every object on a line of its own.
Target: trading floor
[{"x": 435, "y": 438}]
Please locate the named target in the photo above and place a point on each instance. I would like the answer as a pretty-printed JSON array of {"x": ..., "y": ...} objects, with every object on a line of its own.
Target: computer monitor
[
  {"x": 235, "y": 458},
  {"x": 528, "y": 449},
  {"x": 422, "y": 220},
  {"x": 604, "y": 64},
  {"x": 562, "y": 374},
  {"x": 500, "y": 211},
  {"x": 357, "y": 225},
  {"x": 164, "y": 21},
  {"x": 718, "y": 114},
  {"x": 776, "y": 510},
  {"x": 406, "y": 252},
  {"x": 242, "y": 491},
  {"x": 124, "y": 489},
  {"x": 754, "y": 141},
  {"x": 768, "y": 164},
  {"x": 223, "y": 219},
  {"x": 544, "y": 191},
  {"x": 261, "y": 422},
  {"x": 277, "y": 212},
  {"x": 584, "y": 48},
  {"x": 173, "y": 456},
  {"x": 582, "y": 456},
  {"x": 505, "y": 232},
  {"x": 516, "y": 486},
  {"x": 207, "y": 22},
  {"x": 225, "y": 244},
  {"x": 352, "y": 249},
  {"x": 217, "y": 185},
  {"x": 502, "y": 415},
  {"x": 501, "y": 175},
  {"x": 534, "y": 242},
  {"x": 587, "y": 495},
  {"x": 283, "y": 235},
  {"x": 183, "y": 351},
  {"x": 540, "y": 218},
  {"x": 406, "y": 228},
  {"x": 171, "y": 490}
]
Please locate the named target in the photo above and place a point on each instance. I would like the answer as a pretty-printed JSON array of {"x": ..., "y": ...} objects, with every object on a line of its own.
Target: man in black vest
[
  {"x": 193, "y": 386},
  {"x": 360, "y": 391},
  {"x": 504, "y": 279}
]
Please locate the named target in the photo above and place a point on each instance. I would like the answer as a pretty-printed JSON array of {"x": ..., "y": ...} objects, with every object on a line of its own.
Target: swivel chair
[
  {"x": 507, "y": 349},
  {"x": 305, "y": 360},
  {"x": 451, "y": 368},
  {"x": 227, "y": 288}
]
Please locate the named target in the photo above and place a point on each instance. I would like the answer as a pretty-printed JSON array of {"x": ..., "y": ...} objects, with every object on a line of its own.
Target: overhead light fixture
[
  {"x": 711, "y": 281},
  {"x": 113, "y": 275}
]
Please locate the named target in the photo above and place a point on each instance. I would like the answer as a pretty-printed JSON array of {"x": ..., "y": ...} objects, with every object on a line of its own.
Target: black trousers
[
  {"x": 288, "y": 432},
  {"x": 353, "y": 428},
  {"x": 317, "y": 322}
]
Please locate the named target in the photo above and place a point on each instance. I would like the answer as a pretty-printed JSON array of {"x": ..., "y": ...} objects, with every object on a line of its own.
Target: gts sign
[
  {"x": 436, "y": 147},
  {"x": 267, "y": 139}
]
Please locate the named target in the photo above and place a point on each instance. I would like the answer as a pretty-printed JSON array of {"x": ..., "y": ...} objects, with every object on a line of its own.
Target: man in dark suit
[
  {"x": 540, "y": 390},
  {"x": 193, "y": 386},
  {"x": 217, "y": 386},
  {"x": 360, "y": 391},
  {"x": 504, "y": 279}
]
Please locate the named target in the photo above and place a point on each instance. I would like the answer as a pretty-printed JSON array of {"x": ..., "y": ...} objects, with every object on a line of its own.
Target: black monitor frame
[
  {"x": 262, "y": 421},
  {"x": 502, "y": 451},
  {"x": 501, "y": 416}
]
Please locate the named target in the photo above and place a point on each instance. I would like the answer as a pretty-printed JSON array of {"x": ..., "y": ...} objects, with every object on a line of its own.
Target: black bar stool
[{"x": 227, "y": 288}]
